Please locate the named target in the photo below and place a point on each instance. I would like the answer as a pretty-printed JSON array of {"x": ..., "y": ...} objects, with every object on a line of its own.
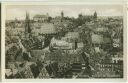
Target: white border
[{"x": 4, "y": 4}]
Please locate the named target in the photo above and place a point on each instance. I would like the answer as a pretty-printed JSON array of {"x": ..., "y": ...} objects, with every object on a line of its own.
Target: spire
[
  {"x": 62, "y": 14},
  {"x": 95, "y": 15},
  {"x": 27, "y": 17},
  {"x": 27, "y": 24}
]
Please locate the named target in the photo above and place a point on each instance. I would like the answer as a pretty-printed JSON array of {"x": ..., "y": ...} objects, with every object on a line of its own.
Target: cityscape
[{"x": 45, "y": 47}]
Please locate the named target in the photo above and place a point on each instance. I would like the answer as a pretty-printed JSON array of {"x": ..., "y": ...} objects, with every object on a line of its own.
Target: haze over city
[{"x": 69, "y": 10}]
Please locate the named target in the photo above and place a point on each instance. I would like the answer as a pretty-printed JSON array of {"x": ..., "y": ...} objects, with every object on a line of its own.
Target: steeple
[
  {"x": 95, "y": 15},
  {"x": 27, "y": 25},
  {"x": 95, "y": 20},
  {"x": 62, "y": 14}
]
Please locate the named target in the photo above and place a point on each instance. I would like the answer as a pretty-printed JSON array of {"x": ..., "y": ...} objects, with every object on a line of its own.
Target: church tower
[
  {"x": 62, "y": 14},
  {"x": 27, "y": 25},
  {"x": 95, "y": 20},
  {"x": 95, "y": 15}
]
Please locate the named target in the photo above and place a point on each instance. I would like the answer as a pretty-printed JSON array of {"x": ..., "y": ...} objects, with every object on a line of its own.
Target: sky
[{"x": 19, "y": 11}]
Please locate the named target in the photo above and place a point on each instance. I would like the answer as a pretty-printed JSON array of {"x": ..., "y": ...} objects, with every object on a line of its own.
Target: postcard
[{"x": 42, "y": 41}]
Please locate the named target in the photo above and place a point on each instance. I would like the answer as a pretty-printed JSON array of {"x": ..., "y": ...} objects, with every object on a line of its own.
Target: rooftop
[
  {"x": 39, "y": 54},
  {"x": 99, "y": 39},
  {"x": 72, "y": 35},
  {"x": 40, "y": 16},
  {"x": 46, "y": 28}
]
